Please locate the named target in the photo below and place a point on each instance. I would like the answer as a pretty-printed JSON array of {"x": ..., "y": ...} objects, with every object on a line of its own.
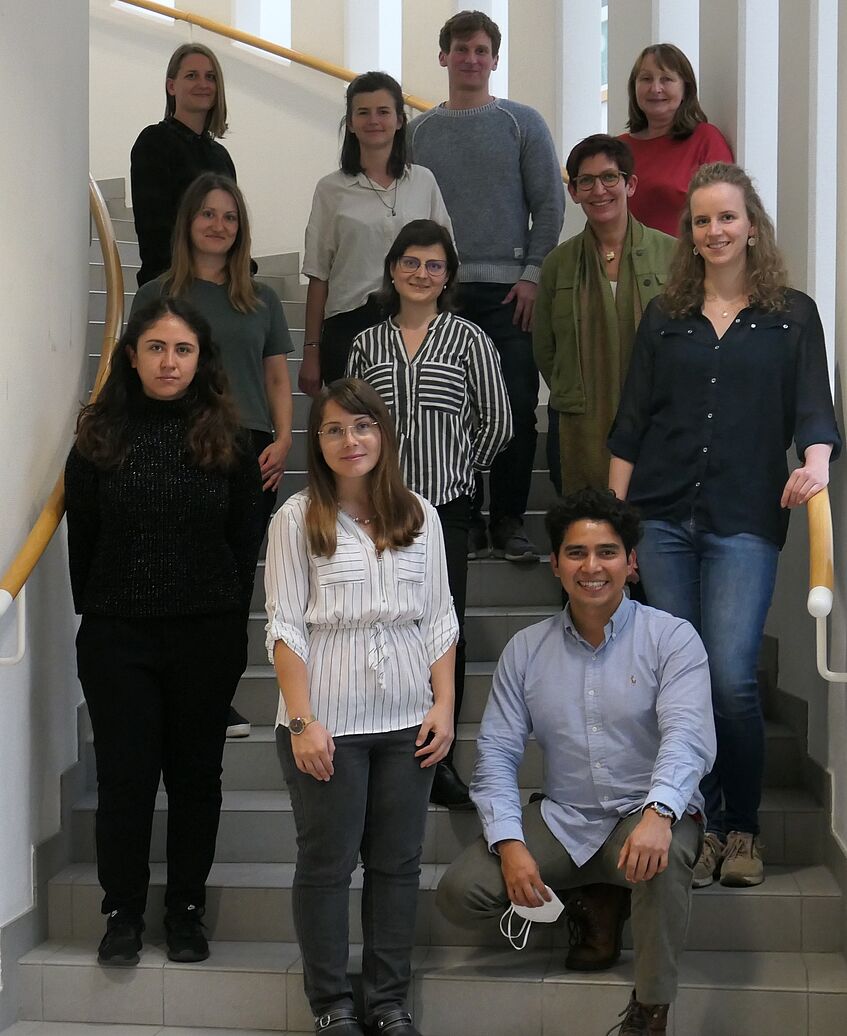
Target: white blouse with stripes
[
  {"x": 367, "y": 625},
  {"x": 449, "y": 402}
]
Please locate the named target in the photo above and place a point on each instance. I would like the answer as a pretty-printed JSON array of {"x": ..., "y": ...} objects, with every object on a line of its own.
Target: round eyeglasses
[
  {"x": 610, "y": 178},
  {"x": 336, "y": 433},
  {"x": 434, "y": 267}
]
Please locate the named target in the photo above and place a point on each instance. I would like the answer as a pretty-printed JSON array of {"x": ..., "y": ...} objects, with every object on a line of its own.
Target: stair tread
[
  {"x": 809, "y": 880},
  {"x": 760, "y": 970}
]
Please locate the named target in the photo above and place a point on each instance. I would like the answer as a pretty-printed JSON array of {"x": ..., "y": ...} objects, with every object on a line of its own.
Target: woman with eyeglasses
[
  {"x": 439, "y": 375},
  {"x": 356, "y": 214},
  {"x": 729, "y": 367},
  {"x": 361, "y": 630},
  {"x": 593, "y": 290},
  {"x": 669, "y": 134}
]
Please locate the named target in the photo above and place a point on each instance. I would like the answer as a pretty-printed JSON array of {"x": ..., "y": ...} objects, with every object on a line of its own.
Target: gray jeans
[
  {"x": 473, "y": 888},
  {"x": 374, "y": 805}
]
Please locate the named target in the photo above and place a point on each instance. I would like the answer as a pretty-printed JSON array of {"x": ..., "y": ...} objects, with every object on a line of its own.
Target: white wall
[{"x": 43, "y": 284}]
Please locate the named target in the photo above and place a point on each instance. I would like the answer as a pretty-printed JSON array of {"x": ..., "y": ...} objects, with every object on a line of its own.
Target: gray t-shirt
[{"x": 243, "y": 340}]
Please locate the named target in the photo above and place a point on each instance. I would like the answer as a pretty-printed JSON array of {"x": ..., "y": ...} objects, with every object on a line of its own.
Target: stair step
[
  {"x": 480, "y": 992},
  {"x": 258, "y": 827},
  {"x": 796, "y": 909}
]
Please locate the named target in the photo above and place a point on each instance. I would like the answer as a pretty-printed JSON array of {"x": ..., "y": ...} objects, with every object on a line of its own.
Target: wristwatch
[
  {"x": 662, "y": 810},
  {"x": 297, "y": 724}
]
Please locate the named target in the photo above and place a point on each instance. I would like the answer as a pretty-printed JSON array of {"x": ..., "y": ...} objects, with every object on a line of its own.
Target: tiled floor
[{"x": 83, "y": 1029}]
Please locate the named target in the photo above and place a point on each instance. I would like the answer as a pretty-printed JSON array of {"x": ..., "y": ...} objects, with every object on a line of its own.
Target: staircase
[{"x": 758, "y": 960}]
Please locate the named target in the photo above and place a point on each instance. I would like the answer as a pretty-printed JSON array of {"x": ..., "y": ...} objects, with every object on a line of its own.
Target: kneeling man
[{"x": 618, "y": 697}]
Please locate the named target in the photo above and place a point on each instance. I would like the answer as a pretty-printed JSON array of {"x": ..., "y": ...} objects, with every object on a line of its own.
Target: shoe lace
[
  {"x": 634, "y": 1014},
  {"x": 738, "y": 844}
]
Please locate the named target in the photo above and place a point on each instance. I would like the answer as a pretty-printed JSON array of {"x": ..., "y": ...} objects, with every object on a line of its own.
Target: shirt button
[
  {"x": 690, "y": 331},
  {"x": 717, "y": 347},
  {"x": 709, "y": 416},
  {"x": 591, "y": 694},
  {"x": 752, "y": 325},
  {"x": 647, "y": 282},
  {"x": 594, "y": 729},
  {"x": 785, "y": 326},
  {"x": 705, "y": 449},
  {"x": 738, "y": 320},
  {"x": 696, "y": 485},
  {"x": 596, "y": 766},
  {"x": 714, "y": 380}
]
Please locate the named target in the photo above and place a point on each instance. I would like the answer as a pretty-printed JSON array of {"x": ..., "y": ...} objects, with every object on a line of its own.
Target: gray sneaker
[
  {"x": 478, "y": 546},
  {"x": 708, "y": 864},
  {"x": 742, "y": 861},
  {"x": 510, "y": 541}
]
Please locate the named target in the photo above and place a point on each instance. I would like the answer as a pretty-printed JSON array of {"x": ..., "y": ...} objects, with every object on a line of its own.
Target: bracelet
[{"x": 311, "y": 345}]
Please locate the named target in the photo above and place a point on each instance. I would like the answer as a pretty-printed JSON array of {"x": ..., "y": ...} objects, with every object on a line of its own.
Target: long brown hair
[
  {"x": 767, "y": 278},
  {"x": 689, "y": 114},
  {"x": 213, "y": 438},
  {"x": 239, "y": 283},
  {"x": 216, "y": 116},
  {"x": 398, "y": 515}
]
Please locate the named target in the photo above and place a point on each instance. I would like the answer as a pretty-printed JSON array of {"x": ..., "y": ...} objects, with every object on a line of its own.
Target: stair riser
[{"x": 719, "y": 920}]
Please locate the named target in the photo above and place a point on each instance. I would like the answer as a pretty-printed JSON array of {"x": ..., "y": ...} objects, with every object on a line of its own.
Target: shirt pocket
[
  {"x": 380, "y": 376},
  {"x": 345, "y": 566},
  {"x": 411, "y": 562},
  {"x": 441, "y": 386}
]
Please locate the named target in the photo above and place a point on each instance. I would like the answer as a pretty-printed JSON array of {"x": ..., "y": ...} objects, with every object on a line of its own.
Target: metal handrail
[{"x": 53, "y": 511}]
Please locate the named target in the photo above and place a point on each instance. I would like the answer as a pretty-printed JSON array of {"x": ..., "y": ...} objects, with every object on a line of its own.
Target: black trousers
[
  {"x": 261, "y": 441},
  {"x": 455, "y": 517},
  {"x": 158, "y": 692},
  {"x": 337, "y": 336}
]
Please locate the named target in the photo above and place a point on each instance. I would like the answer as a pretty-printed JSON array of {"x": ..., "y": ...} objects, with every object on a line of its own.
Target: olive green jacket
[{"x": 556, "y": 321}]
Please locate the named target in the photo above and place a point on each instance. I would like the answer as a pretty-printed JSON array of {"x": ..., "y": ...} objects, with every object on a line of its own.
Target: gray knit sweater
[{"x": 501, "y": 181}]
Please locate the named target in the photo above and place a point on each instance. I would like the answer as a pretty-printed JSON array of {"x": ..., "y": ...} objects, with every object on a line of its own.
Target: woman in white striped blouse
[
  {"x": 440, "y": 377},
  {"x": 361, "y": 630}
]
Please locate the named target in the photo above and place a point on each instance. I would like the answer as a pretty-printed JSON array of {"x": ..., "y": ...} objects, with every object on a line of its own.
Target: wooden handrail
[
  {"x": 821, "y": 554},
  {"x": 210, "y": 25},
  {"x": 51, "y": 514}
]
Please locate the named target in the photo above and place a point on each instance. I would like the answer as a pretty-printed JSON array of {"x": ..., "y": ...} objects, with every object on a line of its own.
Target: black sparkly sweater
[{"x": 159, "y": 536}]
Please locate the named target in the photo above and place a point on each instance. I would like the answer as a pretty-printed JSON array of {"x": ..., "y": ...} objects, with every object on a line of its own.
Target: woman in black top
[
  {"x": 161, "y": 495},
  {"x": 729, "y": 366},
  {"x": 169, "y": 155}
]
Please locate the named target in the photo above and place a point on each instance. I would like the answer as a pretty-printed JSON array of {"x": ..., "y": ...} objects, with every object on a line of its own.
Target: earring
[
  {"x": 751, "y": 242},
  {"x": 392, "y": 282},
  {"x": 695, "y": 250}
]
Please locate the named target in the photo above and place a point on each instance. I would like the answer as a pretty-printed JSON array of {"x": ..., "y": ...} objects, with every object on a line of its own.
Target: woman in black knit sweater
[{"x": 162, "y": 497}]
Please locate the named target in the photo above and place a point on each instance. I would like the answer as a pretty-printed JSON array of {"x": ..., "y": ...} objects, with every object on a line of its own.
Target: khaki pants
[{"x": 473, "y": 889}]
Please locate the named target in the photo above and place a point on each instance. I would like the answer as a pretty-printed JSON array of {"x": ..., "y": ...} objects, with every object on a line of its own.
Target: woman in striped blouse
[
  {"x": 440, "y": 377},
  {"x": 361, "y": 630}
]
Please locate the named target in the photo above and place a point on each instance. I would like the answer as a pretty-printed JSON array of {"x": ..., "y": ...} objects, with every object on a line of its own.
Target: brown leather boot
[
  {"x": 639, "y": 1019},
  {"x": 596, "y": 916}
]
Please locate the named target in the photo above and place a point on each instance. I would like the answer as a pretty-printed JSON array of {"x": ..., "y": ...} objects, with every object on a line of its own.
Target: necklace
[
  {"x": 392, "y": 208},
  {"x": 358, "y": 521},
  {"x": 609, "y": 256},
  {"x": 731, "y": 304}
]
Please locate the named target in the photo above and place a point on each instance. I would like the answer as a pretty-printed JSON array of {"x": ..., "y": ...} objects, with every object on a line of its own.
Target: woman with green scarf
[{"x": 594, "y": 288}]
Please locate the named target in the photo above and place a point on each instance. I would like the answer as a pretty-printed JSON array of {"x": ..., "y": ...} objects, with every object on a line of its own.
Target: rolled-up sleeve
[
  {"x": 439, "y": 625},
  {"x": 287, "y": 584},
  {"x": 505, "y": 729}
]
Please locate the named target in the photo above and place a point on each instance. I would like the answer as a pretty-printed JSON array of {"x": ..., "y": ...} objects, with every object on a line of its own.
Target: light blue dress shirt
[{"x": 620, "y": 725}]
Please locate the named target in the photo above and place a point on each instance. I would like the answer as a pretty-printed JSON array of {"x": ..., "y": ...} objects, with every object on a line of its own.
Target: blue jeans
[
  {"x": 723, "y": 585},
  {"x": 374, "y": 805}
]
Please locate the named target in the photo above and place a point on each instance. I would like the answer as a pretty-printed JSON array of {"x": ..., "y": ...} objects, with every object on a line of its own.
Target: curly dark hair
[
  {"x": 214, "y": 437},
  {"x": 599, "y": 505},
  {"x": 767, "y": 277},
  {"x": 351, "y": 157}
]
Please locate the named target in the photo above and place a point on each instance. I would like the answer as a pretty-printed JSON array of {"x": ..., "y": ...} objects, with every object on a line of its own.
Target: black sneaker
[
  {"x": 185, "y": 937},
  {"x": 120, "y": 945},
  {"x": 237, "y": 725},
  {"x": 510, "y": 541}
]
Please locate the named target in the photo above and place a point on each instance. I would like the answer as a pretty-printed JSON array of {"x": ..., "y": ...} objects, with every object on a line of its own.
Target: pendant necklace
[
  {"x": 392, "y": 208},
  {"x": 358, "y": 521}
]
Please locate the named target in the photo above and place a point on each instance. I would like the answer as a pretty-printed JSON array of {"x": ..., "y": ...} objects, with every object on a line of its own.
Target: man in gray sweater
[{"x": 498, "y": 172}]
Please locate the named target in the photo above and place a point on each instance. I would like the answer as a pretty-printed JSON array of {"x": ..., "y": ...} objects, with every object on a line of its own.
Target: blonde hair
[
  {"x": 239, "y": 283},
  {"x": 216, "y": 124},
  {"x": 767, "y": 278}
]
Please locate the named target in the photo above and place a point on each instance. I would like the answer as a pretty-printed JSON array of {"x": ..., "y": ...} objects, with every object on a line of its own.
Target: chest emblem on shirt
[{"x": 632, "y": 679}]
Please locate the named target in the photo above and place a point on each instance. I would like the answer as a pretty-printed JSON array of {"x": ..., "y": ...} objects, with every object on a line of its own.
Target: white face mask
[{"x": 546, "y": 913}]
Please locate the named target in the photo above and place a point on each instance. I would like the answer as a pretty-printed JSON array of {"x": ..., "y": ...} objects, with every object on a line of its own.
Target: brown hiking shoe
[
  {"x": 742, "y": 861},
  {"x": 639, "y": 1019},
  {"x": 596, "y": 916},
  {"x": 708, "y": 864}
]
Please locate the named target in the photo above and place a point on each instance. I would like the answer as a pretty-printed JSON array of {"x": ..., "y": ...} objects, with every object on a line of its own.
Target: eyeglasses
[
  {"x": 434, "y": 267},
  {"x": 336, "y": 433},
  {"x": 611, "y": 178}
]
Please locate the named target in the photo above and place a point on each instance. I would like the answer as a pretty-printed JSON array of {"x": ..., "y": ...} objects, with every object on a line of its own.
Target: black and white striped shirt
[{"x": 449, "y": 403}]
